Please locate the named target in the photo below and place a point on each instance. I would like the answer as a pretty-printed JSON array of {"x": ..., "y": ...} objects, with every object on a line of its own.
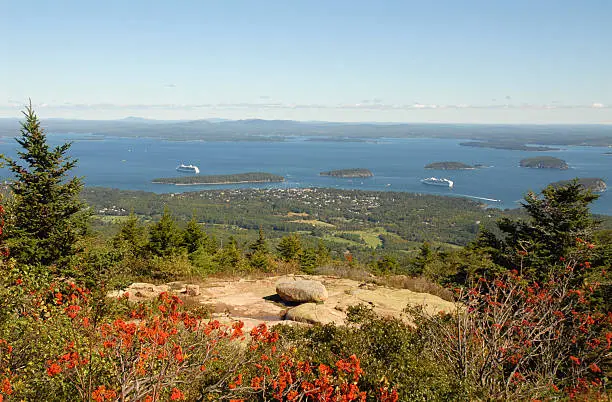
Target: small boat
[
  {"x": 434, "y": 181},
  {"x": 188, "y": 168}
]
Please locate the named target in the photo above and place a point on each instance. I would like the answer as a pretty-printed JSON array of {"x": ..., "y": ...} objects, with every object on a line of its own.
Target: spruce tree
[
  {"x": 557, "y": 219},
  {"x": 132, "y": 236},
  {"x": 165, "y": 238},
  {"x": 47, "y": 217},
  {"x": 289, "y": 247},
  {"x": 260, "y": 244},
  {"x": 194, "y": 237}
]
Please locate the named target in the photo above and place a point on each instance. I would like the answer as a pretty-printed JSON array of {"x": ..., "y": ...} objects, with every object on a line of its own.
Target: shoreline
[
  {"x": 224, "y": 182},
  {"x": 433, "y": 168}
]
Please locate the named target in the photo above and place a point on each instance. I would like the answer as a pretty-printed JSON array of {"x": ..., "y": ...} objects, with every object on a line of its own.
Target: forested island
[
  {"x": 544, "y": 162},
  {"x": 513, "y": 146},
  {"x": 249, "y": 177},
  {"x": 449, "y": 166},
  {"x": 591, "y": 183},
  {"x": 348, "y": 173}
]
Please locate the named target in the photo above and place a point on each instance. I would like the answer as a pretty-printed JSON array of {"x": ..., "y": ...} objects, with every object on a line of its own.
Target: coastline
[{"x": 223, "y": 182}]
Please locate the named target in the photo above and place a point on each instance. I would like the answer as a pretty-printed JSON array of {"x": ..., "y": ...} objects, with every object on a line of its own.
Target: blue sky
[{"x": 521, "y": 61}]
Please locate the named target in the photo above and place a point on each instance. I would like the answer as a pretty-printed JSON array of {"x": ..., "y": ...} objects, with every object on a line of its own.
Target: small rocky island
[
  {"x": 348, "y": 173},
  {"x": 238, "y": 178},
  {"x": 594, "y": 184},
  {"x": 449, "y": 166},
  {"x": 544, "y": 162}
]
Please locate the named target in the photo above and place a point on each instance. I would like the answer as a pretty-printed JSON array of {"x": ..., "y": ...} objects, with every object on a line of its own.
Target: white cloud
[{"x": 364, "y": 105}]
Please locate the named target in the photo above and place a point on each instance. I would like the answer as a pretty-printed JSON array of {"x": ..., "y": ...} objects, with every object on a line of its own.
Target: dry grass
[
  {"x": 313, "y": 222},
  {"x": 416, "y": 284},
  {"x": 346, "y": 271},
  {"x": 302, "y": 214}
]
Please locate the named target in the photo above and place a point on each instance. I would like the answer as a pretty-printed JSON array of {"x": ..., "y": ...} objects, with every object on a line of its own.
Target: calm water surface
[{"x": 398, "y": 165}]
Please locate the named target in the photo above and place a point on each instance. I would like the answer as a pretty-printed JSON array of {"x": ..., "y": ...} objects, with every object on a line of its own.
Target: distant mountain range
[{"x": 256, "y": 129}]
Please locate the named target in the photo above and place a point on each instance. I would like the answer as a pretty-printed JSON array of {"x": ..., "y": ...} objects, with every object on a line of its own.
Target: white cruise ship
[
  {"x": 188, "y": 168},
  {"x": 434, "y": 181}
]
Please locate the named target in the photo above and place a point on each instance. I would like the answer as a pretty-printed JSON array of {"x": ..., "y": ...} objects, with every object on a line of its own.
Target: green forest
[
  {"x": 249, "y": 177},
  {"x": 544, "y": 162},
  {"x": 357, "y": 172},
  {"x": 449, "y": 166},
  {"x": 530, "y": 287}
]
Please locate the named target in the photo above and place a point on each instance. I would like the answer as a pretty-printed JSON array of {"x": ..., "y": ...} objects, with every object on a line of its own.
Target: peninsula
[
  {"x": 513, "y": 146},
  {"x": 348, "y": 173},
  {"x": 544, "y": 162},
  {"x": 594, "y": 184},
  {"x": 449, "y": 166},
  {"x": 237, "y": 178}
]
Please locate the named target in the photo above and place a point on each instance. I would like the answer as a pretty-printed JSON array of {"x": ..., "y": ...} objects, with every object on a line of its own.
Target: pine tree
[
  {"x": 194, "y": 237},
  {"x": 47, "y": 217},
  {"x": 165, "y": 237}
]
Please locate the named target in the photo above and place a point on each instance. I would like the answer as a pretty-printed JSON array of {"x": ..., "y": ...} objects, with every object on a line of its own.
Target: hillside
[
  {"x": 294, "y": 293},
  {"x": 508, "y": 135}
]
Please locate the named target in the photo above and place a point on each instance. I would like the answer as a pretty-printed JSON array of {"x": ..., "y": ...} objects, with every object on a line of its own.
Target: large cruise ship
[
  {"x": 188, "y": 168},
  {"x": 438, "y": 182}
]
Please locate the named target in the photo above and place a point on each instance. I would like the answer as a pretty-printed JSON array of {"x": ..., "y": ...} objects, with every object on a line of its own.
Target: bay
[{"x": 397, "y": 164}]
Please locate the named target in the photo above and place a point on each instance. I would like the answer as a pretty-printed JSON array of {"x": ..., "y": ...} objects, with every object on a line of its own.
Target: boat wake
[{"x": 480, "y": 198}]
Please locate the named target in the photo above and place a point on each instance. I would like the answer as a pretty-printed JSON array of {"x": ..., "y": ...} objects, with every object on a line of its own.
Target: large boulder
[
  {"x": 301, "y": 291},
  {"x": 313, "y": 313}
]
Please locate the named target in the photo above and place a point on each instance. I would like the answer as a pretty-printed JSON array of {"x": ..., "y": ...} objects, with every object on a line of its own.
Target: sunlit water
[{"x": 398, "y": 165}]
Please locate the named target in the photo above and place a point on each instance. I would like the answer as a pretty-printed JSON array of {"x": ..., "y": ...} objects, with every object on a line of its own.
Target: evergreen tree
[
  {"x": 258, "y": 255},
  {"x": 557, "y": 219},
  {"x": 229, "y": 257},
  {"x": 387, "y": 264},
  {"x": 308, "y": 260},
  {"x": 194, "y": 237},
  {"x": 260, "y": 244},
  {"x": 165, "y": 238},
  {"x": 210, "y": 244},
  {"x": 322, "y": 253},
  {"x": 260, "y": 261},
  {"x": 131, "y": 236},
  {"x": 47, "y": 217},
  {"x": 425, "y": 256},
  {"x": 289, "y": 247}
]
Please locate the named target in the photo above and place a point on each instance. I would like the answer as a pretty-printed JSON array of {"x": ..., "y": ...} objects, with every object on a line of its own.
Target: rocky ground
[{"x": 256, "y": 300}]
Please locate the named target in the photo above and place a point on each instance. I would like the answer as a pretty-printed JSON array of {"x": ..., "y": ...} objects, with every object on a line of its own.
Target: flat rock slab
[
  {"x": 313, "y": 313},
  {"x": 255, "y": 300},
  {"x": 301, "y": 290}
]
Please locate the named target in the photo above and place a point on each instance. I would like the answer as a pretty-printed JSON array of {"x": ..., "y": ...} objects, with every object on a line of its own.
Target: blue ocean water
[{"x": 398, "y": 165}]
